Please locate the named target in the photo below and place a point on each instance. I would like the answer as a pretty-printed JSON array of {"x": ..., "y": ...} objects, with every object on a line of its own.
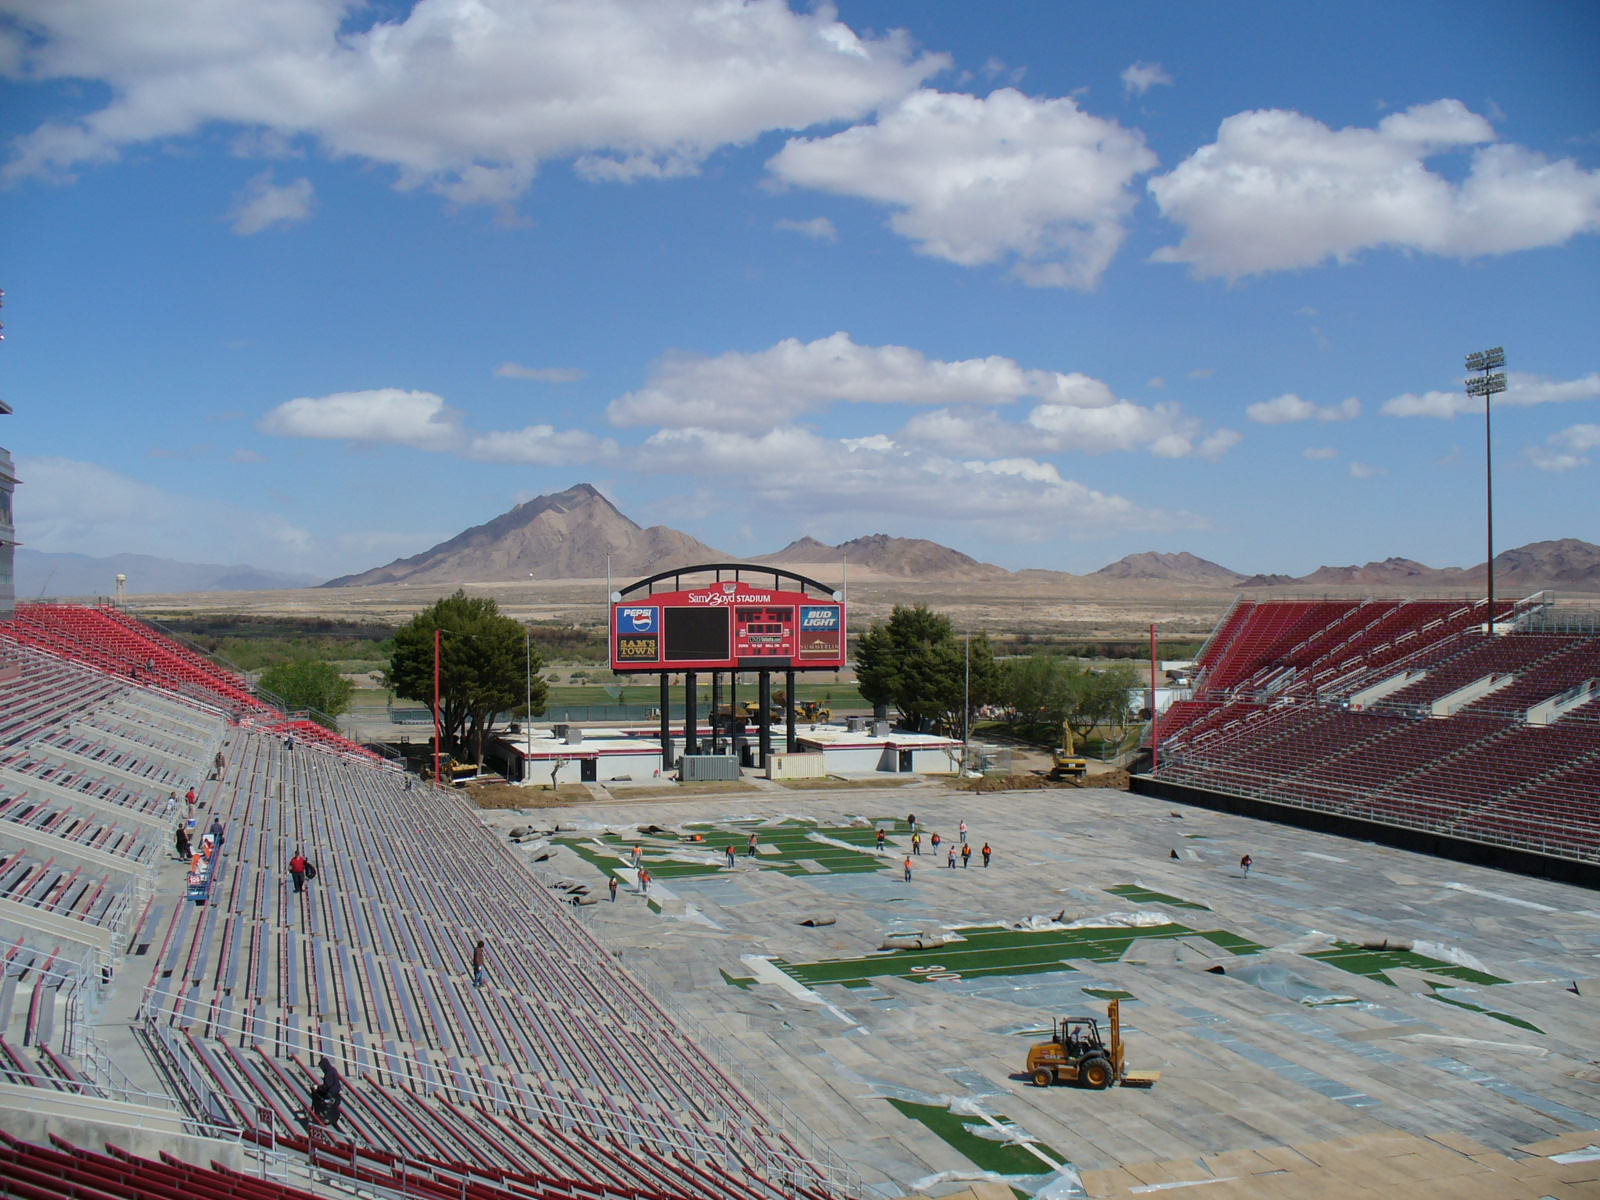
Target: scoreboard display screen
[
  {"x": 727, "y": 626},
  {"x": 696, "y": 634}
]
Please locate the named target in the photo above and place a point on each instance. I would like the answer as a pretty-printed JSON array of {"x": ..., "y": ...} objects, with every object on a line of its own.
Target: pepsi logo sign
[{"x": 645, "y": 619}]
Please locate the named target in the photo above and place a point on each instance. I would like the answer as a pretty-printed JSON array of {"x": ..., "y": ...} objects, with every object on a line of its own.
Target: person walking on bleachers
[
  {"x": 180, "y": 841},
  {"x": 644, "y": 881},
  {"x": 908, "y": 868},
  {"x": 190, "y": 798},
  {"x": 880, "y": 839},
  {"x": 963, "y": 833},
  {"x": 750, "y": 849},
  {"x": 611, "y": 886},
  {"x": 916, "y": 843},
  {"x": 1245, "y": 864},
  {"x": 220, "y": 763},
  {"x": 952, "y": 854},
  {"x": 479, "y": 954},
  {"x": 986, "y": 853},
  {"x": 216, "y": 831},
  {"x": 297, "y": 871},
  {"x": 730, "y": 856},
  {"x": 172, "y": 803},
  {"x": 325, "y": 1096},
  {"x": 966, "y": 854}
]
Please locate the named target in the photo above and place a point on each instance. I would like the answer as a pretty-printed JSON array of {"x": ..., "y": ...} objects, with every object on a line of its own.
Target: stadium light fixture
[{"x": 1488, "y": 384}]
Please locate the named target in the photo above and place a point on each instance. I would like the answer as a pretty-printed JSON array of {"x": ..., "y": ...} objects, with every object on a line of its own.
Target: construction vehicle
[
  {"x": 1066, "y": 762},
  {"x": 1076, "y": 1053},
  {"x": 813, "y": 712},
  {"x": 776, "y": 715}
]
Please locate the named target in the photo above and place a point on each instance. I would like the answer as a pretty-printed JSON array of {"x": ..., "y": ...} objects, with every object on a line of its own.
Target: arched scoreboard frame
[{"x": 728, "y": 621}]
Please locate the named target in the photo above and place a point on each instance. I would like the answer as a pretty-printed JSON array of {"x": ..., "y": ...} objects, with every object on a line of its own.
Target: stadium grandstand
[
  {"x": 562, "y": 1075},
  {"x": 1420, "y": 722}
]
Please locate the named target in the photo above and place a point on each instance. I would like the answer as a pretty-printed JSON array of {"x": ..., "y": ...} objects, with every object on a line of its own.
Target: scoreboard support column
[
  {"x": 765, "y": 678},
  {"x": 791, "y": 742},
  {"x": 691, "y": 714},
  {"x": 716, "y": 712},
  {"x": 666, "y": 722}
]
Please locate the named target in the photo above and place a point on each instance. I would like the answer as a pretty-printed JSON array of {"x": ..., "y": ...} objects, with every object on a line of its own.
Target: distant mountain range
[
  {"x": 568, "y": 535},
  {"x": 41, "y": 574}
]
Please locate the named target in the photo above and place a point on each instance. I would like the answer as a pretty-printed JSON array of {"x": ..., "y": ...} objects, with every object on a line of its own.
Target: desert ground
[{"x": 1054, "y": 605}]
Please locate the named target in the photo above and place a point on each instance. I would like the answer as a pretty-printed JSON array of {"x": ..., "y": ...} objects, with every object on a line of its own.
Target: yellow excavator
[
  {"x": 1076, "y": 1053},
  {"x": 1066, "y": 762}
]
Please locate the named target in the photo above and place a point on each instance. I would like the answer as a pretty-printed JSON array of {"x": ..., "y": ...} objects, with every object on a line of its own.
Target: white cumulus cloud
[
  {"x": 1288, "y": 408},
  {"x": 1007, "y": 178},
  {"x": 1163, "y": 430},
  {"x": 541, "y": 445},
  {"x": 758, "y": 390},
  {"x": 1279, "y": 190},
  {"x": 264, "y": 204},
  {"x": 1010, "y": 497},
  {"x": 423, "y": 421},
  {"x": 512, "y": 370},
  {"x": 380, "y": 415},
  {"x": 468, "y": 97},
  {"x": 1140, "y": 77},
  {"x": 1566, "y": 450},
  {"x": 817, "y": 228},
  {"x": 1522, "y": 390}
]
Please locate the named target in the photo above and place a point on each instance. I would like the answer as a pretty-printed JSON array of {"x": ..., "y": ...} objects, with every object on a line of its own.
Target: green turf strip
[
  {"x": 993, "y": 951},
  {"x": 981, "y": 1152},
  {"x": 1488, "y": 1012},
  {"x": 783, "y": 850},
  {"x": 1143, "y": 895},
  {"x": 1373, "y": 964}
]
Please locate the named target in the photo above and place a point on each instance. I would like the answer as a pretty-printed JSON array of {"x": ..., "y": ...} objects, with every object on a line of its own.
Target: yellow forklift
[{"x": 1076, "y": 1053}]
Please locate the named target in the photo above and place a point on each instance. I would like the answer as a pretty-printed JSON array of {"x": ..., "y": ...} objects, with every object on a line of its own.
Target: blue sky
[{"x": 315, "y": 284}]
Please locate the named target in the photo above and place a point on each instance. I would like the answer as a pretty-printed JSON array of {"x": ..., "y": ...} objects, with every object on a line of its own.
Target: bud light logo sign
[
  {"x": 644, "y": 619},
  {"x": 817, "y": 618},
  {"x": 821, "y": 633}
]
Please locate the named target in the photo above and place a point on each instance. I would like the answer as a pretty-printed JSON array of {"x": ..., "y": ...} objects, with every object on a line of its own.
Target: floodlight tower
[{"x": 1488, "y": 383}]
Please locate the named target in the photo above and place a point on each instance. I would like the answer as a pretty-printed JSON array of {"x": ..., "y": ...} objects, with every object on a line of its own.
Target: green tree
[
  {"x": 1099, "y": 699},
  {"x": 483, "y": 667},
  {"x": 1034, "y": 689},
  {"x": 916, "y": 662},
  {"x": 1051, "y": 691},
  {"x": 309, "y": 683}
]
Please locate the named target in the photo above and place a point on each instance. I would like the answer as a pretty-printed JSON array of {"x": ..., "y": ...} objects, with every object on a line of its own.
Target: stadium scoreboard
[{"x": 728, "y": 625}]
